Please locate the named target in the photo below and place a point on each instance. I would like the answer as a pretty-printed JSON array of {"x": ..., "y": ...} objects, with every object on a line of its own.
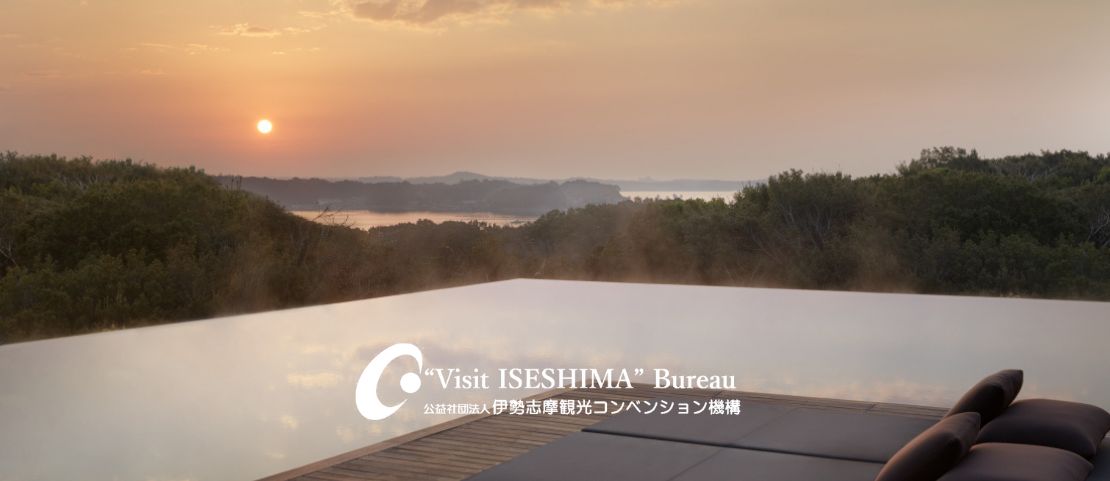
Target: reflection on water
[
  {"x": 363, "y": 219},
  {"x": 246, "y": 396},
  {"x": 684, "y": 194}
]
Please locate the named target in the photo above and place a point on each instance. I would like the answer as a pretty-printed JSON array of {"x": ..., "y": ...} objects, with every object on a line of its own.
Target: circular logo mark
[{"x": 366, "y": 391}]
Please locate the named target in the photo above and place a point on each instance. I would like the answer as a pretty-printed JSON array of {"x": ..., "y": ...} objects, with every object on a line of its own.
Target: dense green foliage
[{"x": 87, "y": 246}]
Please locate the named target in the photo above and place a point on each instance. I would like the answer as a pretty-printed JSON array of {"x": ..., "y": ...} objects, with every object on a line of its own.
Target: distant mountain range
[
  {"x": 652, "y": 185},
  {"x": 463, "y": 195}
]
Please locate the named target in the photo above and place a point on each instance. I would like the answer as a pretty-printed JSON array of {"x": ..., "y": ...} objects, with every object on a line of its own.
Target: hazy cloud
[
  {"x": 256, "y": 31},
  {"x": 345, "y": 433},
  {"x": 248, "y": 30},
  {"x": 188, "y": 49},
  {"x": 313, "y": 380},
  {"x": 43, "y": 73},
  {"x": 296, "y": 50},
  {"x": 421, "y": 13},
  {"x": 289, "y": 422}
]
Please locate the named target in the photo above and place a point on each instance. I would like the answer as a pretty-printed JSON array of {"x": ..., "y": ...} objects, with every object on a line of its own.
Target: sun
[{"x": 265, "y": 126}]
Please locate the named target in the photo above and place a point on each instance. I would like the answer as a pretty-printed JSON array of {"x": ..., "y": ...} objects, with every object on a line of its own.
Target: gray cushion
[
  {"x": 1076, "y": 427},
  {"x": 1018, "y": 462},
  {"x": 704, "y": 428},
  {"x": 775, "y": 427},
  {"x": 990, "y": 396},
  {"x": 750, "y": 465},
  {"x": 834, "y": 434},
  {"x": 934, "y": 451},
  {"x": 1102, "y": 463},
  {"x": 600, "y": 457}
]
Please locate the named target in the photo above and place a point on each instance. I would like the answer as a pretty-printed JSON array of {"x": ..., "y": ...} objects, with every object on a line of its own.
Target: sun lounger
[
  {"x": 606, "y": 457},
  {"x": 601, "y": 457},
  {"x": 704, "y": 428},
  {"x": 768, "y": 442},
  {"x": 752, "y": 465},
  {"x": 841, "y": 435},
  {"x": 812, "y": 432}
]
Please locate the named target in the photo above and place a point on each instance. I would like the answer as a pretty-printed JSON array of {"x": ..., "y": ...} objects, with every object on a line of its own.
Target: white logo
[{"x": 366, "y": 391}]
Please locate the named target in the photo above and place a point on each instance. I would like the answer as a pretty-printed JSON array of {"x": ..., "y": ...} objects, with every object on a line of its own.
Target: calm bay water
[
  {"x": 704, "y": 195},
  {"x": 367, "y": 219},
  {"x": 246, "y": 396}
]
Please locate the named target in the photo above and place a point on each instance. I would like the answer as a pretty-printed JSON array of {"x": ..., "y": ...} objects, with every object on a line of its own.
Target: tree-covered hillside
[
  {"x": 88, "y": 246},
  {"x": 949, "y": 222}
]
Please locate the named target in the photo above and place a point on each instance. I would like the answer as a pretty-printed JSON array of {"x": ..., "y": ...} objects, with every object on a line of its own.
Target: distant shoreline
[
  {"x": 363, "y": 219},
  {"x": 369, "y": 218}
]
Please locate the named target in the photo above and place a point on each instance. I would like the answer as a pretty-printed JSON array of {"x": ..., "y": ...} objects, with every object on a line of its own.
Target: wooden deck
[{"x": 461, "y": 448}]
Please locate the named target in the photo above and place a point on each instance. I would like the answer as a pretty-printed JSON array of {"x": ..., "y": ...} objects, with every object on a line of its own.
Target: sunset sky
[{"x": 731, "y": 89}]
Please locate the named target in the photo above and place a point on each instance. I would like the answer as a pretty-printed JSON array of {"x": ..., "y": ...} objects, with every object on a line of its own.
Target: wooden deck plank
[{"x": 458, "y": 449}]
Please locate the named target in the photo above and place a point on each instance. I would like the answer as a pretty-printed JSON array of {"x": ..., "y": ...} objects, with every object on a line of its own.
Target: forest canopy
[{"x": 93, "y": 245}]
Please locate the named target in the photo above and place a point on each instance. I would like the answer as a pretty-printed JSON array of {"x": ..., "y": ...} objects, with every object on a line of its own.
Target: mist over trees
[
  {"x": 485, "y": 195},
  {"x": 87, "y": 246}
]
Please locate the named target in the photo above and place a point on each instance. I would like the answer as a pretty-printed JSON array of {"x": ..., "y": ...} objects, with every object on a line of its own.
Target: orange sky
[{"x": 731, "y": 89}]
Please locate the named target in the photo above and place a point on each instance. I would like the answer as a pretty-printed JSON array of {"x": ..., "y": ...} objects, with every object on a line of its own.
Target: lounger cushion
[
  {"x": 836, "y": 434},
  {"x": 991, "y": 396},
  {"x": 751, "y": 465},
  {"x": 1101, "y": 472},
  {"x": 934, "y": 451},
  {"x": 775, "y": 427},
  {"x": 605, "y": 457},
  {"x": 1076, "y": 427},
  {"x": 705, "y": 428},
  {"x": 600, "y": 457},
  {"x": 1019, "y": 462}
]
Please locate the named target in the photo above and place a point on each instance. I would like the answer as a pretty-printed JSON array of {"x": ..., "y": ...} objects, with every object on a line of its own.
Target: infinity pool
[{"x": 247, "y": 396}]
